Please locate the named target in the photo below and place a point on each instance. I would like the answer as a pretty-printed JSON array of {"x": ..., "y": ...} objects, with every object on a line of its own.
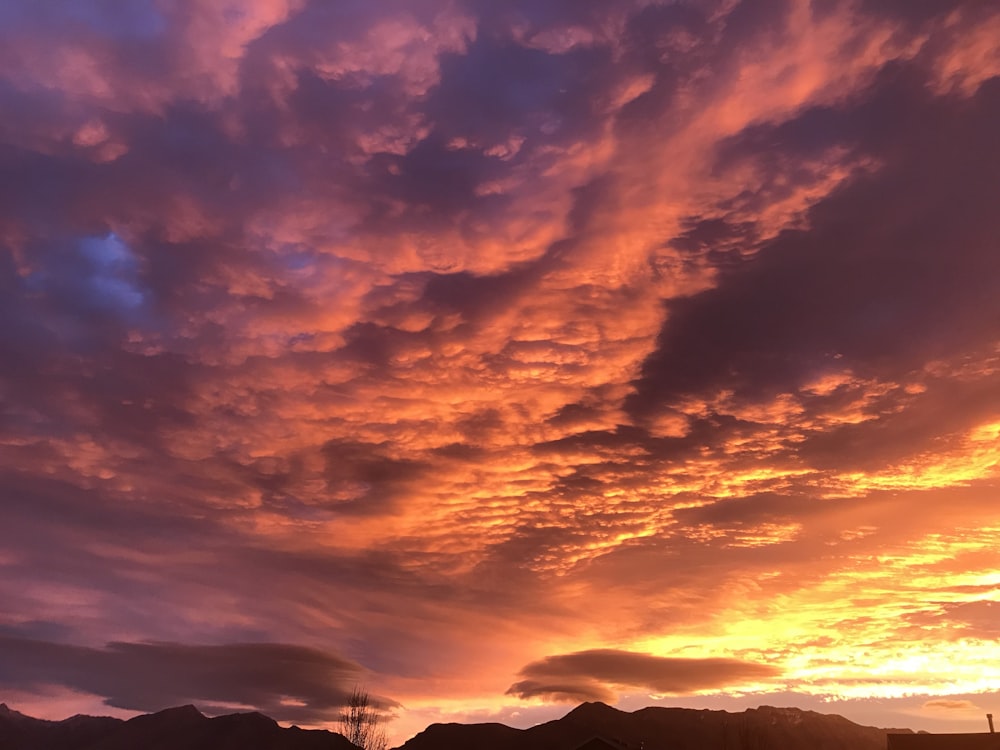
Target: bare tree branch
[{"x": 361, "y": 722}]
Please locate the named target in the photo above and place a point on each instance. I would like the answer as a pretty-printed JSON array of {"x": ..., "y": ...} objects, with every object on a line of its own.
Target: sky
[{"x": 499, "y": 356}]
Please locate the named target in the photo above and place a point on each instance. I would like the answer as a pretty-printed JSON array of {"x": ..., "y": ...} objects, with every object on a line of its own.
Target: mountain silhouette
[
  {"x": 594, "y": 726},
  {"x": 600, "y": 725},
  {"x": 182, "y": 728}
]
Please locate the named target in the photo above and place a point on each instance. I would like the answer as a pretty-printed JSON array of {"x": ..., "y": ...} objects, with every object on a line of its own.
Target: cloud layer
[
  {"x": 407, "y": 332},
  {"x": 583, "y": 676},
  {"x": 301, "y": 684}
]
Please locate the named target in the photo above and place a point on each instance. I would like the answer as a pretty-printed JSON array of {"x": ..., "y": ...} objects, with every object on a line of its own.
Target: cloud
[
  {"x": 593, "y": 675},
  {"x": 810, "y": 302},
  {"x": 289, "y": 683},
  {"x": 950, "y": 705},
  {"x": 821, "y": 266},
  {"x": 976, "y": 618}
]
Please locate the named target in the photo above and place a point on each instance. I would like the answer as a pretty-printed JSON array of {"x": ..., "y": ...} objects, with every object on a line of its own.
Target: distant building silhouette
[{"x": 982, "y": 741}]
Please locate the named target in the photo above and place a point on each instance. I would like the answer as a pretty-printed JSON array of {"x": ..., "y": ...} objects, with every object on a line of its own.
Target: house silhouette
[{"x": 983, "y": 741}]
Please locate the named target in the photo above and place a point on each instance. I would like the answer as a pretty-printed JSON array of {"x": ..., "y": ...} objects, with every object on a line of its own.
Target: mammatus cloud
[
  {"x": 288, "y": 683},
  {"x": 595, "y": 674}
]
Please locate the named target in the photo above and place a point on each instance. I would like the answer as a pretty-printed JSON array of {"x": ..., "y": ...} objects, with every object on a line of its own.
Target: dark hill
[
  {"x": 467, "y": 736},
  {"x": 183, "y": 728},
  {"x": 595, "y": 725},
  {"x": 655, "y": 728},
  {"x": 20, "y": 732}
]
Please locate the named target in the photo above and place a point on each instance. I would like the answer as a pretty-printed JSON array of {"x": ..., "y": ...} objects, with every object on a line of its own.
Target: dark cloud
[
  {"x": 979, "y": 617},
  {"x": 362, "y": 478},
  {"x": 498, "y": 89},
  {"x": 272, "y": 677},
  {"x": 543, "y": 16},
  {"x": 479, "y": 298},
  {"x": 900, "y": 425},
  {"x": 863, "y": 287},
  {"x": 38, "y": 630},
  {"x": 970, "y": 619},
  {"x": 592, "y": 675},
  {"x": 749, "y": 509},
  {"x": 752, "y": 18},
  {"x": 913, "y": 13},
  {"x": 454, "y": 172}
]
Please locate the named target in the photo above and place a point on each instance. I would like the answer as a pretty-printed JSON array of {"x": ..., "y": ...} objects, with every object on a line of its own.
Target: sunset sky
[{"x": 499, "y": 355}]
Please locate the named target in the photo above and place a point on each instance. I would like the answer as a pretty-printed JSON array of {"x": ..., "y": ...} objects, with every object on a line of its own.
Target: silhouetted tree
[{"x": 361, "y": 722}]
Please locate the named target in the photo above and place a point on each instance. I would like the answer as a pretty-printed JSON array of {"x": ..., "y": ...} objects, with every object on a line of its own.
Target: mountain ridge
[
  {"x": 177, "y": 728},
  {"x": 664, "y": 728},
  {"x": 593, "y": 724}
]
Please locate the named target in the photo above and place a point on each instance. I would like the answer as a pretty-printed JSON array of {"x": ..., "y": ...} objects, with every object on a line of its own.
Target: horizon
[
  {"x": 498, "y": 357},
  {"x": 400, "y": 740}
]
